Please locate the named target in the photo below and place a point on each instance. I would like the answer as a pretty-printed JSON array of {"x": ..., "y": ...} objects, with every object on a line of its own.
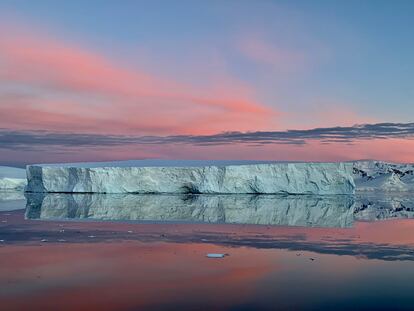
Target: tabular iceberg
[{"x": 272, "y": 178}]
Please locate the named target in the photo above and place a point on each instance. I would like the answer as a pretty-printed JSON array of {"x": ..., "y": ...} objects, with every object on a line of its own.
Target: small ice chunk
[
  {"x": 212, "y": 255},
  {"x": 43, "y": 240}
]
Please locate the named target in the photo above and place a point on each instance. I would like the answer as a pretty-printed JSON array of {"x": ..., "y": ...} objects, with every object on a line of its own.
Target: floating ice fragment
[{"x": 216, "y": 255}]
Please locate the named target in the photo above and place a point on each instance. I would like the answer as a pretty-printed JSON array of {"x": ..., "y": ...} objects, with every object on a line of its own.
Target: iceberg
[
  {"x": 12, "y": 179},
  {"x": 215, "y": 255},
  {"x": 259, "y": 178}
]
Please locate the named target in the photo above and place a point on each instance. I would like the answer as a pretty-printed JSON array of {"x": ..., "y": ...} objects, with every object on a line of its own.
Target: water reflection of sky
[
  {"x": 178, "y": 276},
  {"x": 129, "y": 265}
]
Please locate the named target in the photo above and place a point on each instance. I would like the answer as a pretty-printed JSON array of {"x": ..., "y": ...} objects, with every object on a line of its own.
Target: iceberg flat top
[{"x": 158, "y": 163}]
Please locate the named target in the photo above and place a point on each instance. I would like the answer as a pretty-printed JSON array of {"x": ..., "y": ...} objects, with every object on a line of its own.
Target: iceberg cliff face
[{"x": 275, "y": 178}]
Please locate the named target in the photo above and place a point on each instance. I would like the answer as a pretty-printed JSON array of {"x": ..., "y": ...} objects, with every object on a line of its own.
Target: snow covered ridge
[
  {"x": 270, "y": 178},
  {"x": 383, "y": 176},
  {"x": 12, "y": 184},
  {"x": 12, "y": 179}
]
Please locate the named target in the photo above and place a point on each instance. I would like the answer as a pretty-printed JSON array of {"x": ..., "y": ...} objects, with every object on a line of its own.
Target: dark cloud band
[{"x": 12, "y": 139}]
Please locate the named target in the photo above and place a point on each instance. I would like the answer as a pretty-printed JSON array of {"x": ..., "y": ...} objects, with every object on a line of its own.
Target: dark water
[{"x": 148, "y": 252}]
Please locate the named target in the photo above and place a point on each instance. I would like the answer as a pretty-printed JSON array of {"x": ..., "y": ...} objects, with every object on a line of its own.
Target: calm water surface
[{"x": 134, "y": 252}]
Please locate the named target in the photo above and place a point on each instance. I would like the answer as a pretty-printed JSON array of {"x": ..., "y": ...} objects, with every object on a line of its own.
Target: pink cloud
[
  {"x": 97, "y": 95},
  {"x": 396, "y": 150}
]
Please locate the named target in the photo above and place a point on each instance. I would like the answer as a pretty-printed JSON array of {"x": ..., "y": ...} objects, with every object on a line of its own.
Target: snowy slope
[
  {"x": 12, "y": 178},
  {"x": 383, "y": 176}
]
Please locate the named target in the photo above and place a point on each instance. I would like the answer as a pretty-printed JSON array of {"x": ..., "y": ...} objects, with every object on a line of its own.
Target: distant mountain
[
  {"x": 12, "y": 178},
  {"x": 371, "y": 175}
]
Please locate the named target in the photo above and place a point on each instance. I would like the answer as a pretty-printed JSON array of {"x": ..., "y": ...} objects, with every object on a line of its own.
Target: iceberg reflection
[
  {"x": 291, "y": 210},
  {"x": 326, "y": 211},
  {"x": 12, "y": 200},
  {"x": 378, "y": 206}
]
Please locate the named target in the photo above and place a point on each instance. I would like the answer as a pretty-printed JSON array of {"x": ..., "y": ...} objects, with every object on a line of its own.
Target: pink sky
[
  {"x": 82, "y": 91},
  {"x": 54, "y": 85}
]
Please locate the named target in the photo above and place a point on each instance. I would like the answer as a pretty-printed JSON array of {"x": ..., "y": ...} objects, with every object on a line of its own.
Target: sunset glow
[{"x": 221, "y": 74}]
